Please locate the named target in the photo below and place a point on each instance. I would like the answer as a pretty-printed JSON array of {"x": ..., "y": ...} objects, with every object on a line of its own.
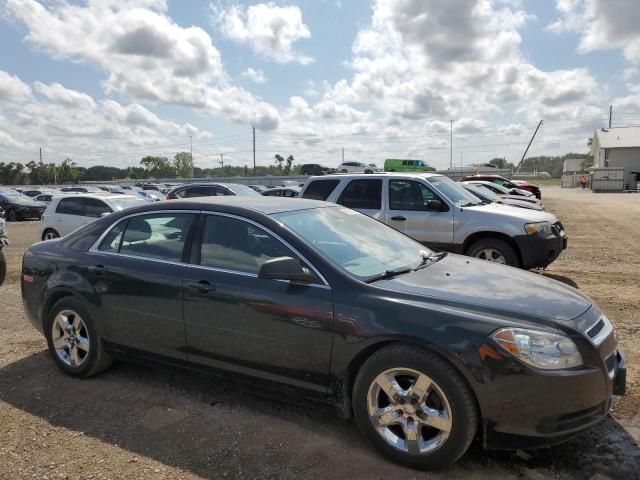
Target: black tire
[
  {"x": 12, "y": 216},
  {"x": 368, "y": 171},
  {"x": 305, "y": 173},
  {"x": 464, "y": 415},
  {"x": 97, "y": 359},
  {"x": 343, "y": 171},
  {"x": 50, "y": 234},
  {"x": 3, "y": 267},
  {"x": 478, "y": 247}
]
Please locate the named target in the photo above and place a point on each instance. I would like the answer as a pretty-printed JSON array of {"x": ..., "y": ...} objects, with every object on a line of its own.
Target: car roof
[
  {"x": 378, "y": 175},
  {"x": 206, "y": 184},
  {"x": 231, "y": 203},
  {"x": 101, "y": 196}
]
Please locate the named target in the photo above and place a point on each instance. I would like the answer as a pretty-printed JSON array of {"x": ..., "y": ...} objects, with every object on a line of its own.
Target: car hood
[
  {"x": 26, "y": 203},
  {"x": 493, "y": 288},
  {"x": 515, "y": 213},
  {"x": 521, "y": 204}
]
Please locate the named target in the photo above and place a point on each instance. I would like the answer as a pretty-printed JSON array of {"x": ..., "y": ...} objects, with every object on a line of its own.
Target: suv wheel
[
  {"x": 74, "y": 342},
  {"x": 414, "y": 407},
  {"x": 494, "y": 250},
  {"x": 344, "y": 170},
  {"x": 50, "y": 234}
]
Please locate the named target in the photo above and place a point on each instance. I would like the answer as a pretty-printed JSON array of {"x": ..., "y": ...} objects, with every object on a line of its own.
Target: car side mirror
[
  {"x": 104, "y": 214},
  {"x": 285, "y": 268},
  {"x": 434, "y": 205}
]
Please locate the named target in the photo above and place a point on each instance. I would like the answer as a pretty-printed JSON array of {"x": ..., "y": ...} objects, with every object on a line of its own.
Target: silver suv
[{"x": 441, "y": 214}]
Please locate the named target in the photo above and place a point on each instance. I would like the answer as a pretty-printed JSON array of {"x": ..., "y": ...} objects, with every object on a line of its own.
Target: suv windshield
[
  {"x": 454, "y": 192},
  {"x": 354, "y": 242}
]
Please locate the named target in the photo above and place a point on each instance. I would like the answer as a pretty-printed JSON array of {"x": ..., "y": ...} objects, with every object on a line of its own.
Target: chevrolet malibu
[{"x": 426, "y": 351}]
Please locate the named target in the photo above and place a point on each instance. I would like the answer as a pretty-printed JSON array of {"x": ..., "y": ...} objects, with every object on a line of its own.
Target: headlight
[
  {"x": 540, "y": 227},
  {"x": 548, "y": 351}
]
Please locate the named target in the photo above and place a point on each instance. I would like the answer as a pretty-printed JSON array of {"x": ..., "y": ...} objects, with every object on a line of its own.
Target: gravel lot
[{"x": 135, "y": 422}]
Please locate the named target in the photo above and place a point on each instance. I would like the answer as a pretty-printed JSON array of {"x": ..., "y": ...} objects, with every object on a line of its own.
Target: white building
[{"x": 618, "y": 147}]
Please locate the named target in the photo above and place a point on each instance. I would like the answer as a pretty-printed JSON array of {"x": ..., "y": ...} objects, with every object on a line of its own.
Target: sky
[{"x": 110, "y": 81}]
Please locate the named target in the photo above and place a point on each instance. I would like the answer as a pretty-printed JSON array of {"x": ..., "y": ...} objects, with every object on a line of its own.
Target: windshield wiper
[
  {"x": 430, "y": 259},
  {"x": 388, "y": 274}
]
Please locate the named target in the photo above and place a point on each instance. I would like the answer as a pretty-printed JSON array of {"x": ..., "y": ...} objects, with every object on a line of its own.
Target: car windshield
[
  {"x": 122, "y": 203},
  {"x": 500, "y": 188},
  {"x": 242, "y": 190},
  {"x": 481, "y": 192},
  {"x": 354, "y": 242},
  {"x": 454, "y": 192}
]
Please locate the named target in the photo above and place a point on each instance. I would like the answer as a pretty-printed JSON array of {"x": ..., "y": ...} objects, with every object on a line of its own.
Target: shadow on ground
[
  {"x": 202, "y": 424},
  {"x": 561, "y": 278}
]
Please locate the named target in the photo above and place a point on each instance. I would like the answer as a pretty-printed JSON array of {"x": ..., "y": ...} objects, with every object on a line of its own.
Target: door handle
[
  {"x": 98, "y": 269},
  {"x": 399, "y": 218},
  {"x": 203, "y": 286}
]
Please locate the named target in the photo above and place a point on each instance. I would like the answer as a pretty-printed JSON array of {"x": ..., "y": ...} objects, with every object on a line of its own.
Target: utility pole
[
  {"x": 610, "y": 114},
  {"x": 254, "y": 150},
  {"x": 191, "y": 142},
  {"x": 342, "y": 154},
  {"x": 222, "y": 160},
  {"x": 40, "y": 154},
  {"x": 530, "y": 142},
  {"x": 450, "y": 144}
]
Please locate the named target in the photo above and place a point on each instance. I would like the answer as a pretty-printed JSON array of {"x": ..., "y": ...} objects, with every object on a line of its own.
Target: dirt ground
[{"x": 135, "y": 422}]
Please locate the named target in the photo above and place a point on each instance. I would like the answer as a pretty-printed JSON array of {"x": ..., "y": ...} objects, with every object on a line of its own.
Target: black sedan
[
  {"x": 425, "y": 350},
  {"x": 20, "y": 207}
]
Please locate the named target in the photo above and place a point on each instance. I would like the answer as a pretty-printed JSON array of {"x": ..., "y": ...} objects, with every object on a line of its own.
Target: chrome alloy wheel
[
  {"x": 70, "y": 338},
  {"x": 491, "y": 255},
  {"x": 409, "y": 411}
]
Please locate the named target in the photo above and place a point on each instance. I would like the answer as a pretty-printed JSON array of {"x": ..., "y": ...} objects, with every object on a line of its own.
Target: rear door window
[
  {"x": 201, "y": 191},
  {"x": 363, "y": 194},
  {"x": 71, "y": 206},
  {"x": 159, "y": 236},
  {"x": 320, "y": 189}
]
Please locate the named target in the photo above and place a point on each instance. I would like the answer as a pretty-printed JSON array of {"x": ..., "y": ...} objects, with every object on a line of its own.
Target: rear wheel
[
  {"x": 74, "y": 342},
  {"x": 414, "y": 407},
  {"x": 12, "y": 216},
  {"x": 494, "y": 250},
  {"x": 50, "y": 234},
  {"x": 344, "y": 170}
]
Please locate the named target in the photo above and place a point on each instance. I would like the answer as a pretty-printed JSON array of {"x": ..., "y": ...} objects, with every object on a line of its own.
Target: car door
[
  {"x": 69, "y": 215},
  {"x": 364, "y": 196},
  {"x": 407, "y": 211},
  {"x": 234, "y": 320},
  {"x": 138, "y": 270}
]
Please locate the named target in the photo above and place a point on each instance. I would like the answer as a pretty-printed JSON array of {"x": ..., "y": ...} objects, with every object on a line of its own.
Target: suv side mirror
[
  {"x": 285, "y": 268},
  {"x": 435, "y": 205}
]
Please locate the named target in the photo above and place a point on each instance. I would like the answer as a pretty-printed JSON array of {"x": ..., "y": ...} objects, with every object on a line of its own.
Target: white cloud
[
  {"x": 12, "y": 89},
  {"x": 256, "y": 76},
  {"x": 602, "y": 25},
  {"x": 59, "y": 94},
  {"x": 146, "y": 55},
  {"x": 268, "y": 29}
]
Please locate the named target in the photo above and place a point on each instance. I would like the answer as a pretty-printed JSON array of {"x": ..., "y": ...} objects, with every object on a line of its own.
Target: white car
[
  {"x": 355, "y": 167},
  {"x": 66, "y": 213}
]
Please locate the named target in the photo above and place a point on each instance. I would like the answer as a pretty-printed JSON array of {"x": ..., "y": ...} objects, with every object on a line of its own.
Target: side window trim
[{"x": 197, "y": 246}]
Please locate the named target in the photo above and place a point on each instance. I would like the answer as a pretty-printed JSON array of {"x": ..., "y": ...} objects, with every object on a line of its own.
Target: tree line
[{"x": 151, "y": 167}]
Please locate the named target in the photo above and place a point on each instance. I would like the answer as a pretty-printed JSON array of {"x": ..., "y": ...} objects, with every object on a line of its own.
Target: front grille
[{"x": 596, "y": 329}]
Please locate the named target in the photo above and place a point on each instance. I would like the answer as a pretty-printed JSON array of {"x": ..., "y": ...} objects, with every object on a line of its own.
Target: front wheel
[
  {"x": 344, "y": 170},
  {"x": 494, "y": 250},
  {"x": 12, "y": 216},
  {"x": 73, "y": 340},
  {"x": 3, "y": 267},
  {"x": 414, "y": 407}
]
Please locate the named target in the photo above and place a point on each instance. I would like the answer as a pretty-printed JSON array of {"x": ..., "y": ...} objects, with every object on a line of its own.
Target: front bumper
[
  {"x": 540, "y": 251},
  {"x": 25, "y": 213},
  {"x": 529, "y": 409}
]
